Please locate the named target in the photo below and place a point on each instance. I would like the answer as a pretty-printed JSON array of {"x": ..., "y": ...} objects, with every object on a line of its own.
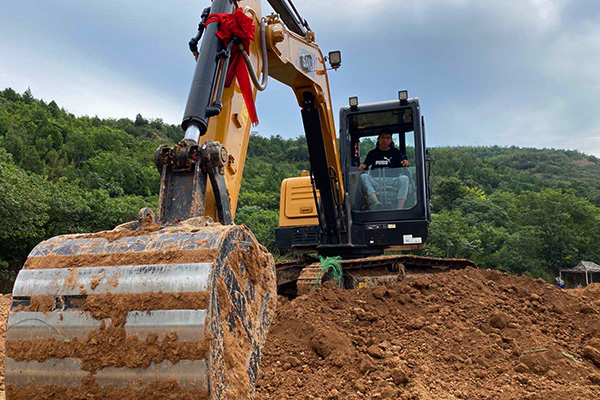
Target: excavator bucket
[{"x": 179, "y": 312}]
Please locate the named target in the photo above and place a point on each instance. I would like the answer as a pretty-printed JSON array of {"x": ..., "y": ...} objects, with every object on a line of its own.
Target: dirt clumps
[
  {"x": 116, "y": 306},
  {"x": 499, "y": 320},
  {"x": 96, "y": 281},
  {"x": 116, "y": 259},
  {"x": 109, "y": 345},
  {"x": 245, "y": 322},
  {"x": 43, "y": 304},
  {"x": 147, "y": 227},
  {"x": 5, "y": 303},
  {"x": 467, "y": 334},
  {"x": 168, "y": 390}
]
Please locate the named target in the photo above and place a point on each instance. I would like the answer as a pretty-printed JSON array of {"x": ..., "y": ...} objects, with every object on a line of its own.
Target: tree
[
  {"x": 522, "y": 253},
  {"x": 565, "y": 223},
  {"x": 447, "y": 192},
  {"x": 28, "y": 96},
  {"x": 450, "y": 236},
  {"x": 520, "y": 210},
  {"x": 140, "y": 121},
  {"x": 23, "y": 210}
]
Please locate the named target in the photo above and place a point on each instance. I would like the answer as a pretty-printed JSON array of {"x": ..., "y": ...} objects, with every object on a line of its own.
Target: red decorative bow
[{"x": 240, "y": 25}]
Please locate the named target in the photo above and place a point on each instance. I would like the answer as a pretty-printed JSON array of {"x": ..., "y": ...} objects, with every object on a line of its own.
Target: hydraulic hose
[{"x": 265, "y": 70}]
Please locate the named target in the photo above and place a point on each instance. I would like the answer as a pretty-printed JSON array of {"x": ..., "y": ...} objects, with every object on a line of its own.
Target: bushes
[{"x": 33, "y": 209}]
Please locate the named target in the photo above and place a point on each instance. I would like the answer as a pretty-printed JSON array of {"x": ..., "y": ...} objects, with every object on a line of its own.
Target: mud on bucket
[{"x": 177, "y": 312}]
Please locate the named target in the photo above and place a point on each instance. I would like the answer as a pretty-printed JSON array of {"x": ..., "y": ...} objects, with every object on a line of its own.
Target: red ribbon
[{"x": 240, "y": 25}]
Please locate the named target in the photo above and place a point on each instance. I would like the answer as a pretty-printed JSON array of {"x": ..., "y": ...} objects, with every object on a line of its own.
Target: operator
[{"x": 385, "y": 155}]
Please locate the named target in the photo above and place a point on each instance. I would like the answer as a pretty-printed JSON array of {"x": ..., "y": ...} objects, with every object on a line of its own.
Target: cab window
[{"x": 382, "y": 172}]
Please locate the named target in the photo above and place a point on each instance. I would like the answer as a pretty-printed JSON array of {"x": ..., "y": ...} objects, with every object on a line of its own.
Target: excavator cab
[
  {"x": 399, "y": 220},
  {"x": 387, "y": 183}
]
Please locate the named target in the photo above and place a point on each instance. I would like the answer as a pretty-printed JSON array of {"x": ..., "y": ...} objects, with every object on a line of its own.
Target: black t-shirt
[{"x": 378, "y": 158}]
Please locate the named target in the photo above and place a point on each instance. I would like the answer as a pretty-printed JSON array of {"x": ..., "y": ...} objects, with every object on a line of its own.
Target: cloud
[
  {"x": 105, "y": 58},
  {"x": 504, "y": 72},
  {"x": 511, "y": 72},
  {"x": 82, "y": 87}
]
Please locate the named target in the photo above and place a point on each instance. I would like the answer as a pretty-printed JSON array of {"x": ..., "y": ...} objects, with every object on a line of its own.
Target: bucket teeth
[{"x": 181, "y": 311}]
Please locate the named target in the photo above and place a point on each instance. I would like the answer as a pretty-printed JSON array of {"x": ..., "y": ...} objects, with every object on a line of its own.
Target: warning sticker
[{"x": 409, "y": 239}]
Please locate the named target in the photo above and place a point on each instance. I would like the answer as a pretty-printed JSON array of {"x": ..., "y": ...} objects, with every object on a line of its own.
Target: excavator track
[
  {"x": 175, "y": 312},
  {"x": 367, "y": 271}
]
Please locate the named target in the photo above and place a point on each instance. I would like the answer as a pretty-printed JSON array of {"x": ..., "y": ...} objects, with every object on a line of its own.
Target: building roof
[{"x": 583, "y": 267}]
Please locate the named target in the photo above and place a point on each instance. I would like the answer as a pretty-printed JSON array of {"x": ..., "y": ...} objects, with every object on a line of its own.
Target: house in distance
[{"x": 583, "y": 274}]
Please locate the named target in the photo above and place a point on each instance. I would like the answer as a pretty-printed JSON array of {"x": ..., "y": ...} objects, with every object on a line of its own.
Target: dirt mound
[
  {"x": 5, "y": 302},
  {"x": 467, "y": 334}
]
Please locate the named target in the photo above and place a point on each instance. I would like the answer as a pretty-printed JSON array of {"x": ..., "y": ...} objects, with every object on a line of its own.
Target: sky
[{"x": 487, "y": 72}]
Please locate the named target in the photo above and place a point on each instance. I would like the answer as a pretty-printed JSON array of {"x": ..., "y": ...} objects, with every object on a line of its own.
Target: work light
[{"x": 335, "y": 59}]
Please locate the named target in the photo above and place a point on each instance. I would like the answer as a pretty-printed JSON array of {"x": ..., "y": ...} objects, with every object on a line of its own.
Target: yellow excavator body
[{"x": 297, "y": 204}]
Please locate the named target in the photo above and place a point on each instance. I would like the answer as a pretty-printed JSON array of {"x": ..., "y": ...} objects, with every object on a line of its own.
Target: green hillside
[{"x": 520, "y": 210}]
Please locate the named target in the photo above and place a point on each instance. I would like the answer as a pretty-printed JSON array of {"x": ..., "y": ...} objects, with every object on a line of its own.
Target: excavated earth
[
  {"x": 5, "y": 302},
  {"x": 467, "y": 334}
]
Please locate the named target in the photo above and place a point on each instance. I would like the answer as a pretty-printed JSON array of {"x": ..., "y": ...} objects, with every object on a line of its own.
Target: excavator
[{"x": 178, "y": 304}]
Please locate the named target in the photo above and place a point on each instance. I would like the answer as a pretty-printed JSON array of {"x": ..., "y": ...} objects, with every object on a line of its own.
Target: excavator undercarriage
[{"x": 298, "y": 277}]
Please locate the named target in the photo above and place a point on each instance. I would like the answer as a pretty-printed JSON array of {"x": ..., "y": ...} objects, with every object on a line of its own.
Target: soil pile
[
  {"x": 467, "y": 334},
  {"x": 5, "y": 302}
]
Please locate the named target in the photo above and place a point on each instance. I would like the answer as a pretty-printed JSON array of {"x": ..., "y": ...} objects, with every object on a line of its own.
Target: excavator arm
[
  {"x": 216, "y": 113},
  {"x": 297, "y": 62}
]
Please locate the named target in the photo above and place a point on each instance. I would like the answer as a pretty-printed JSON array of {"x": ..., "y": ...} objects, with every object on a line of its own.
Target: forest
[{"x": 520, "y": 210}]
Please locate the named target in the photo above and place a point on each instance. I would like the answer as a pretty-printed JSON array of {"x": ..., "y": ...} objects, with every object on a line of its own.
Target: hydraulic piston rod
[{"x": 199, "y": 104}]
